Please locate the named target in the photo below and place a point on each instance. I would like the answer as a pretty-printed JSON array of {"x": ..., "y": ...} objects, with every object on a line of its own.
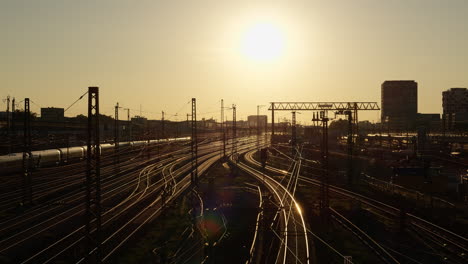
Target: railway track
[
  {"x": 292, "y": 231},
  {"x": 146, "y": 191},
  {"x": 451, "y": 243},
  {"x": 46, "y": 183}
]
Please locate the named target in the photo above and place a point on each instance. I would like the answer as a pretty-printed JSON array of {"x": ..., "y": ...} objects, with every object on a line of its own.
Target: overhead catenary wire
[
  {"x": 81, "y": 97},
  {"x": 35, "y": 103},
  {"x": 152, "y": 112}
]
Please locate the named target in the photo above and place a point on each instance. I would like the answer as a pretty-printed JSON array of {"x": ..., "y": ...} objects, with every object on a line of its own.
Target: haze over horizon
[{"x": 159, "y": 54}]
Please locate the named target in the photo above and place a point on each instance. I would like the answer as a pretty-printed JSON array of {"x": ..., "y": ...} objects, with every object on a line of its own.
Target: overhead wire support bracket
[
  {"x": 194, "y": 144},
  {"x": 93, "y": 181},
  {"x": 27, "y": 155},
  {"x": 116, "y": 140}
]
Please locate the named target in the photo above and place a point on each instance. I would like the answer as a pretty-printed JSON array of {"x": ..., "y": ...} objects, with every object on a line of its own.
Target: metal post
[
  {"x": 324, "y": 203},
  {"x": 293, "y": 131},
  {"x": 350, "y": 144},
  {"x": 8, "y": 123},
  {"x": 13, "y": 128},
  {"x": 116, "y": 139},
  {"x": 27, "y": 155},
  {"x": 194, "y": 143},
  {"x": 356, "y": 122},
  {"x": 129, "y": 124},
  {"x": 234, "y": 133},
  {"x": 8, "y": 116},
  {"x": 258, "y": 128},
  {"x": 93, "y": 181},
  {"x": 272, "y": 119},
  {"x": 222, "y": 128},
  {"x": 162, "y": 125},
  {"x": 148, "y": 149}
]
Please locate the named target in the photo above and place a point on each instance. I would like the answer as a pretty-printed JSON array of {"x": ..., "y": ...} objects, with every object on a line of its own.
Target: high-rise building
[
  {"x": 455, "y": 106},
  {"x": 399, "y": 103},
  {"x": 455, "y": 100}
]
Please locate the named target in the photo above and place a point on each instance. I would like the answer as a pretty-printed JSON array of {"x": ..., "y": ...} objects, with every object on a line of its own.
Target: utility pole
[
  {"x": 272, "y": 120},
  {"x": 8, "y": 123},
  {"x": 129, "y": 123},
  {"x": 8, "y": 115},
  {"x": 324, "y": 182},
  {"x": 234, "y": 132},
  {"x": 27, "y": 155},
  {"x": 324, "y": 202},
  {"x": 13, "y": 109},
  {"x": 293, "y": 133},
  {"x": 93, "y": 181},
  {"x": 266, "y": 128},
  {"x": 194, "y": 144},
  {"x": 162, "y": 125},
  {"x": 258, "y": 127},
  {"x": 222, "y": 128},
  {"x": 116, "y": 139},
  {"x": 350, "y": 145},
  {"x": 148, "y": 149}
]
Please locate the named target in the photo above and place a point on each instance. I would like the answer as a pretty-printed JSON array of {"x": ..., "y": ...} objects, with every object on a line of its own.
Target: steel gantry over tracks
[
  {"x": 316, "y": 106},
  {"x": 350, "y": 109},
  {"x": 339, "y": 107},
  {"x": 319, "y": 106}
]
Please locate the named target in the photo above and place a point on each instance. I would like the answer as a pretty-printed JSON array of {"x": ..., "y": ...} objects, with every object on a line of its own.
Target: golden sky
[{"x": 160, "y": 54}]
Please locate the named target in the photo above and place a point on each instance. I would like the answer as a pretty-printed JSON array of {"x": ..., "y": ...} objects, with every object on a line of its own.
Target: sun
[{"x": 263, "y": 42}]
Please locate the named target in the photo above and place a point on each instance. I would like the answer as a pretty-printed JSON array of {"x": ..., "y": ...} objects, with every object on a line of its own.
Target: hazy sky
[{"x": 159, "y": 54}]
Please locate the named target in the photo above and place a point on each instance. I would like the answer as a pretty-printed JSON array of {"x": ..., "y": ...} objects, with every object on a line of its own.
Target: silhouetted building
[
  {"x": 455, "y": 100},
  {"x": 52, "y": 114},
  {"x": 399, "y": 103},
  {"x": 430, "y": 121},
  {"x": 139, "y": 120},
  {"x": 455, "y": 107},
  {"x": 4, "y": 116},
  {"x": 208, "y": 123},
  {"x": 262, "y": 120}
]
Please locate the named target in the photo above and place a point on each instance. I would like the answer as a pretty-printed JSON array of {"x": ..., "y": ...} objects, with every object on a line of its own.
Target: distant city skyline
[{"x": 160, "y": 54}]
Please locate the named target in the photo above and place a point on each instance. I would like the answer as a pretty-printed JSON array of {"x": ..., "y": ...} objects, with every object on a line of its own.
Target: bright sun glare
[{"x": 263, "y": 42}]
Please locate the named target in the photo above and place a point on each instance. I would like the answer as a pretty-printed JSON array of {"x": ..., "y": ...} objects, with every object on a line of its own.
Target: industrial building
[
  {"x": 399, "y": 103},
  {"x": 52, "y": 114}
]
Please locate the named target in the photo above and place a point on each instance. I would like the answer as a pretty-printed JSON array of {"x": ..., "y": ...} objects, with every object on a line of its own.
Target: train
[{"x": 13, "y": 163}]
